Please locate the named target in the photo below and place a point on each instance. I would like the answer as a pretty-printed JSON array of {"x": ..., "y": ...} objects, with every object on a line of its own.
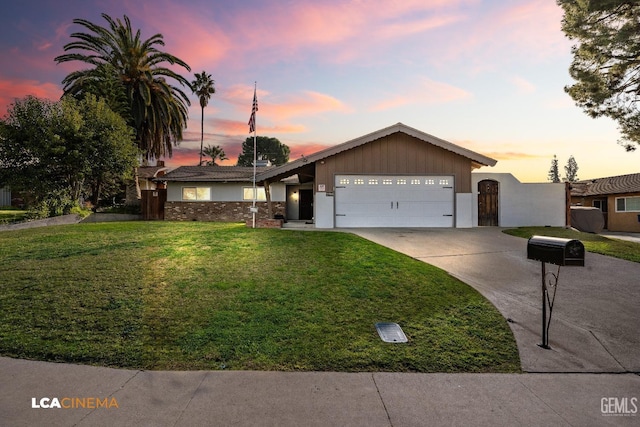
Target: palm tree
[
  {"x": 216, "y": 152},
  {"x": 156, "y": 109},
  {"x": 203, "y": 86}
]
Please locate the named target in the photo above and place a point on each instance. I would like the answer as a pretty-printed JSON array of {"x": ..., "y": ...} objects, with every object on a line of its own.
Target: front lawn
[
  {"x": 163, "y": 295},
  {"x": 622, "y": 249}
]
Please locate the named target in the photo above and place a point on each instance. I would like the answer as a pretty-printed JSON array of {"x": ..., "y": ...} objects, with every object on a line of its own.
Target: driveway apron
[{"x": 595, "y": 325}]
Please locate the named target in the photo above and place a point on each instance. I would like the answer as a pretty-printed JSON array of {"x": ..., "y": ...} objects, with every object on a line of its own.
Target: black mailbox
[{"x": 555, "y": 250}]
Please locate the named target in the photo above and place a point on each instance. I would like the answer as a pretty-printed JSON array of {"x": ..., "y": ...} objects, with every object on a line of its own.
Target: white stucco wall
[
  {"x": 464, "y": 210},
  {"x": 324, "y": 213},
  {"x": 222, "y": 192},
  {"x": 523, "y": 204}
]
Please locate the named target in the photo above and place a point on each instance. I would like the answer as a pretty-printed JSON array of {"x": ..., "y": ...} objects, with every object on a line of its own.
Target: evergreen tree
[
  {"x": 571, "y": 170},
  {"x": 554, "y": 174}
]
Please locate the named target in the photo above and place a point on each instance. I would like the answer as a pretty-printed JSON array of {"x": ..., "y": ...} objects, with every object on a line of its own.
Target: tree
[
  {"x": 571, "y": 170},
  {"x": 157, "y": 109},
  {"x": 266, "y": 148},
  {"x": 51, "y": 151},
  {"x": 554, "y": 174},
  {"x": 606, "y": 61},
  {"x": 216, "y": 152},
  {"x": 203, "y": 86}
]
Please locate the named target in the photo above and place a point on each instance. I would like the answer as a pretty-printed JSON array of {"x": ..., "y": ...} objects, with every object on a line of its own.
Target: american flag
[{"x": 252, "y": 119}]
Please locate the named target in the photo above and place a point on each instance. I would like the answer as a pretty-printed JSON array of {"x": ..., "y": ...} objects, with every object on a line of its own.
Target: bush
[{"x": 53, "y": 205}]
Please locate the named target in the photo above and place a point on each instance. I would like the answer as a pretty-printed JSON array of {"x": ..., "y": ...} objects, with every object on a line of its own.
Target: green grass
[
  {"x": 9, "y": 215},
  {"x": 622, "y": 249},
  {"x": 162, "y": 295}
]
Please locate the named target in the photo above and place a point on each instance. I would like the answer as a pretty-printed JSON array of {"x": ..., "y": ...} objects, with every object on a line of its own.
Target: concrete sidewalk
[
  {"x": 242, "y": 398},
  {"x": 595, "y": 318}
]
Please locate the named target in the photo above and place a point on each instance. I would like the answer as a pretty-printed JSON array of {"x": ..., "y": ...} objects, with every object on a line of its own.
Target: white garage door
[{"x": 394, "y": 201}]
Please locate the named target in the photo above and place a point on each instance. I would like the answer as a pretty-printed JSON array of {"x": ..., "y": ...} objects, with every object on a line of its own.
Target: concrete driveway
[{"x": 596, "y": 320}]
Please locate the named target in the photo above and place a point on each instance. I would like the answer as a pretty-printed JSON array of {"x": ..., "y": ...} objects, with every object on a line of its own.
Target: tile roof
[
  {"x": 212, "y": 173},
  {"x": 610, "y": 185}
]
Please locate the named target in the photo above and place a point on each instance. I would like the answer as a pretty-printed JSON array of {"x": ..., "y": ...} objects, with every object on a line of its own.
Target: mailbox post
[{"x": 553, "y": 250}]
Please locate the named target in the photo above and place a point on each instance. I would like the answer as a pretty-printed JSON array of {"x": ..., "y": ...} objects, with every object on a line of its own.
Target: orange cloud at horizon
[{"x": 512, "y": 155}]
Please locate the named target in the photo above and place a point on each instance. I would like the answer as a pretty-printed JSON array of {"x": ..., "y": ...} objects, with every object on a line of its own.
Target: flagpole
[{"x": 255, "y": 190}]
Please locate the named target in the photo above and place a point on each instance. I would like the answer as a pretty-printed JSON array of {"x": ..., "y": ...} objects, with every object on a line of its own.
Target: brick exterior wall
[
  {"x": 218, "y": 211},
  {"x": 265, "y": 223}
]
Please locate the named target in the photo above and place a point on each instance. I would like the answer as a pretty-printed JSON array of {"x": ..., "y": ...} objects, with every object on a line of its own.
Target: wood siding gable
[{"x": 396, "y": 154}]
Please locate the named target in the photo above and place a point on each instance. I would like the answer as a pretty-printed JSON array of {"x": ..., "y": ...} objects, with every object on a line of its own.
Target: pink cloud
[
  {"x": 10, "y": 90},
  {"x": 190, "y": 33},
  {"x": 427, "y": 91},
  {"x": 307, "y": 103}
]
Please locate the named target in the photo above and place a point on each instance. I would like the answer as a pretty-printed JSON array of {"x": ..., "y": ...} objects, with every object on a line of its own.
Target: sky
[{"x": 486, "y": 75}]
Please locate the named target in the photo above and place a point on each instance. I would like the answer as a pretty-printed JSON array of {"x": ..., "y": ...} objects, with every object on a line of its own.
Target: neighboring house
[
  {"x": 395, "y": 177},
  {"x": 618, "y": 197}
]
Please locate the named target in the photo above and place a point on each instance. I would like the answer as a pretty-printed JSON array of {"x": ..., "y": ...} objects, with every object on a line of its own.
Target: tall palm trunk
[{"x": 201, "y": 136}]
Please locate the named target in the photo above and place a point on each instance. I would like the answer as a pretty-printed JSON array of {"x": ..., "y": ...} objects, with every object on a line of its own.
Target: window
[
  {"x": 373, "y": 182},
  {"x": 344, "y": 181},
  {"x": 247, "y": 193},
  {"x": 358, "y": 181},
  {"x": 387, "y": 181},
  {"x": 415, "y": 182},
  {"x": 628, "y": 204},
  {"x": 430, "y": 181},
  {"x": 444, "y": 182},
  {"x": 401, "y": 181},
  {"x": 196, "y": 193}
]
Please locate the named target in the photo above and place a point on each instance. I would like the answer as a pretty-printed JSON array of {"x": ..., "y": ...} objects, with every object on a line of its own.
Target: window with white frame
[
  {"x": 628, "y": 204},
  {"x": 247, "y": 193},
  {"x": 196, "y": 193}
]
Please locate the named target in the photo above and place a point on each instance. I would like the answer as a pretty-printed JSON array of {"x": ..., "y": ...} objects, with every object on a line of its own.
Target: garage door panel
[{"x": 394, "y": 201}]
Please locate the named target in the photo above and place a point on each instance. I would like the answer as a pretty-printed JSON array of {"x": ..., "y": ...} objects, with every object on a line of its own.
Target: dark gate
[
  {"x": 488, "y": 203},
  {"x": 153, "y": 204}
]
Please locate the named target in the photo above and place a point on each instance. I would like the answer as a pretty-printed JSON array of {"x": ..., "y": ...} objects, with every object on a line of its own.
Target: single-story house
[
  {"x": 395, "y": 177},
  {"x": 618, "y": 197}
]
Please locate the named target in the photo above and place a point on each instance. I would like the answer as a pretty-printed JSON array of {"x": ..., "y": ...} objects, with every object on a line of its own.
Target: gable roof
[
  {"x": 212, "y": 174},
  {"x": 611, "y": 185},
  {"x": 149, "y": 172},
  {"x": 398, "y": 127}
]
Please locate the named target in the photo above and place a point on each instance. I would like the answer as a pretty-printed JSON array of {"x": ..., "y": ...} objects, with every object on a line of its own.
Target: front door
[
  {"x": 306, "y": 205},
  {"x": 488, "y": 203}
]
